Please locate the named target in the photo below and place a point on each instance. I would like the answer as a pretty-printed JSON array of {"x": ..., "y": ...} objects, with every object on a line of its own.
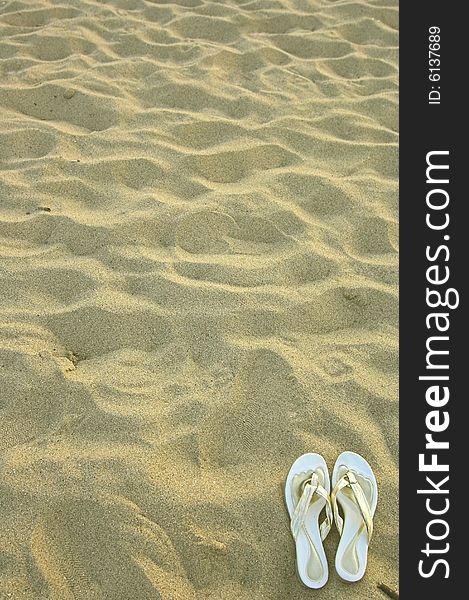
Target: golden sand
[{"x": 198, "y": 283}]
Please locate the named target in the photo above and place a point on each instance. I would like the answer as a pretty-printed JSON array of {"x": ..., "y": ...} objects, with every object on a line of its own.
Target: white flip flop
[
  {"x": 307, "y": 493},
  {"x": 355, "y": 491}
]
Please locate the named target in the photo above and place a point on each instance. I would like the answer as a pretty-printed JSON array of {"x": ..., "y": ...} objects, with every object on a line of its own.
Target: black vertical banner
[{"x": 433, "y": 271}]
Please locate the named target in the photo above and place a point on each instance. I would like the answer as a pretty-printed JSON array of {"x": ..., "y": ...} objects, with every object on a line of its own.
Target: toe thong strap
[
  {"x": 311, "y": 487},
  {"x": 349, "y": 480}
]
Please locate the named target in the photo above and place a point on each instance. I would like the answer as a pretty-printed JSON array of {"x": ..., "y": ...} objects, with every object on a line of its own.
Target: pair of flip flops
[{"x": 352, "y": 504}]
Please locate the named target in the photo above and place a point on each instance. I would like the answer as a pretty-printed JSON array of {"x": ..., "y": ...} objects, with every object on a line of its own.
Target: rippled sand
[{"x": 198, "y": 275}]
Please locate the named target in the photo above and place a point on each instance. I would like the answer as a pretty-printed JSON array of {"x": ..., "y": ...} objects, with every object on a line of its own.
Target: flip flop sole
[
  {"x": 352, "y": 552},
  {"x": 311, "y": 560}
]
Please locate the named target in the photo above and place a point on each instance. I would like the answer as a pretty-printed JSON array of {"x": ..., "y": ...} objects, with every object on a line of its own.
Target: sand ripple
[{"x": 198, "y": 241}]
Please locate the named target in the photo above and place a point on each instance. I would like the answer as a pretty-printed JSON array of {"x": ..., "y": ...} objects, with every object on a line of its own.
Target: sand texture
[{"x": 198, "y": 283}]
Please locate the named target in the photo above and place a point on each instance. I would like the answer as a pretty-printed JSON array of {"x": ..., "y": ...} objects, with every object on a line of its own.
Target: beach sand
[{"x": 198, "y": 283}]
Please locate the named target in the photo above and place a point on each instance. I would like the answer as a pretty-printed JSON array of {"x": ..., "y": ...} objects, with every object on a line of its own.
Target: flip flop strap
[
  {"x": 311, "y": 487},
  {"x": 349, "y": 480}
]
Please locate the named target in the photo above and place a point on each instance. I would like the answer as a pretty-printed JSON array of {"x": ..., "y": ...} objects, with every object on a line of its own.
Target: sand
[{"x": 198, "y": 275}]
